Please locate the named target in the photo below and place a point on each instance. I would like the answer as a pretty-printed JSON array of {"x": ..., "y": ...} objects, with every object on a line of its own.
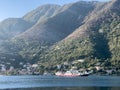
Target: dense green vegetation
[
  {"x": 68, "y": 36},
  {"x": 101, "y": 45}
]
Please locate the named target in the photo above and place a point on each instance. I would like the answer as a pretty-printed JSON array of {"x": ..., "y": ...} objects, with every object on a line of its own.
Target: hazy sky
[{"x": 18, "y": 8}]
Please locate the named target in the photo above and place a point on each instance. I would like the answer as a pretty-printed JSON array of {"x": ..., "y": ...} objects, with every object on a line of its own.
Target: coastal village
[{"x": 37, "y": 69}]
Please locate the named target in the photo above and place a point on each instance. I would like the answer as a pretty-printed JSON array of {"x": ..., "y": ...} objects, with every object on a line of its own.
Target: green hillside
[
  {"x": 52, "y": 35},
  {"x": 95, "y": 41}
]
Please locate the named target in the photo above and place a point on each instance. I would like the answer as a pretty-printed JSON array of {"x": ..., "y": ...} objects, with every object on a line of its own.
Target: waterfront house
[
  {"x": 34, "y": 65},
  {"x": 109, "y": 71}
]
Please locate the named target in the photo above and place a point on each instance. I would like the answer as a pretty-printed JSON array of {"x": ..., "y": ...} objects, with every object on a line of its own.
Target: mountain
[
  {"x": 41, "y": 13},
  {"x": 53, "y": 29},
  {"x": 53, "y": 34},
  {"x": 13, "y": 27},
  {"x": 62, "y": 23},
  {"x": 97, "y": 40},
  {"x": 24, "y": 39}
]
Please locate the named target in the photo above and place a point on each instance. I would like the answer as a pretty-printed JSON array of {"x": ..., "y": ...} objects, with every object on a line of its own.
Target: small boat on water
[
  {"x": 85, "y": 73},
  {"x": 71, "y": 73}
]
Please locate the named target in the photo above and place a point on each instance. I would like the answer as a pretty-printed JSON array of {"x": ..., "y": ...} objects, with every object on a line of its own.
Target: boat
[
  {"x": 84, "y": 73},
  {"x": 70, "y": 73}
]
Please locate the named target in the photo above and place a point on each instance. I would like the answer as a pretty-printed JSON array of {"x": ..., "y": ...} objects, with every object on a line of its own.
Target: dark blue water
[{"x": 59, "y": 83}]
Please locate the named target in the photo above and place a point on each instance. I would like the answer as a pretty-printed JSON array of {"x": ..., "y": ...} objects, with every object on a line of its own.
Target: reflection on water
[
  {"x": 71, "y": 88},
  {"x": 59, "y": 83}
]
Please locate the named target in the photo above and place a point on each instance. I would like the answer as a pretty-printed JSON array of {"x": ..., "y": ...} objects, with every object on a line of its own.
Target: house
[
  {"x": 97, "y": 64},
  {"x": 82, "y": 69},
  {"x": 66, "y": 63},
  {"x": 3, "y": 68},
  {"x": 34, "y": 65},
  {"x": 98, "y": 68},
  {"x": 74, "y": 67},
  {"x": 57, "y": 48},
  {"x": 59, "y": 66},
  {"x": 78, "y": 61},
  {"x": 22, "y": 72},
  {"x": 11, "y": 68},
  {"x": 21, "y": 63},
  {"x": 109, "y": 71},
  {"x": 81, "y": 60}
]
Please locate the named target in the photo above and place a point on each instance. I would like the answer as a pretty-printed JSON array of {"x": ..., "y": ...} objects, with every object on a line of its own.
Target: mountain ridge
[
  {"x": 51, "y": 23},
  {"x": 81, "y": 30},
  {"x": 92, "y": 39}
]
